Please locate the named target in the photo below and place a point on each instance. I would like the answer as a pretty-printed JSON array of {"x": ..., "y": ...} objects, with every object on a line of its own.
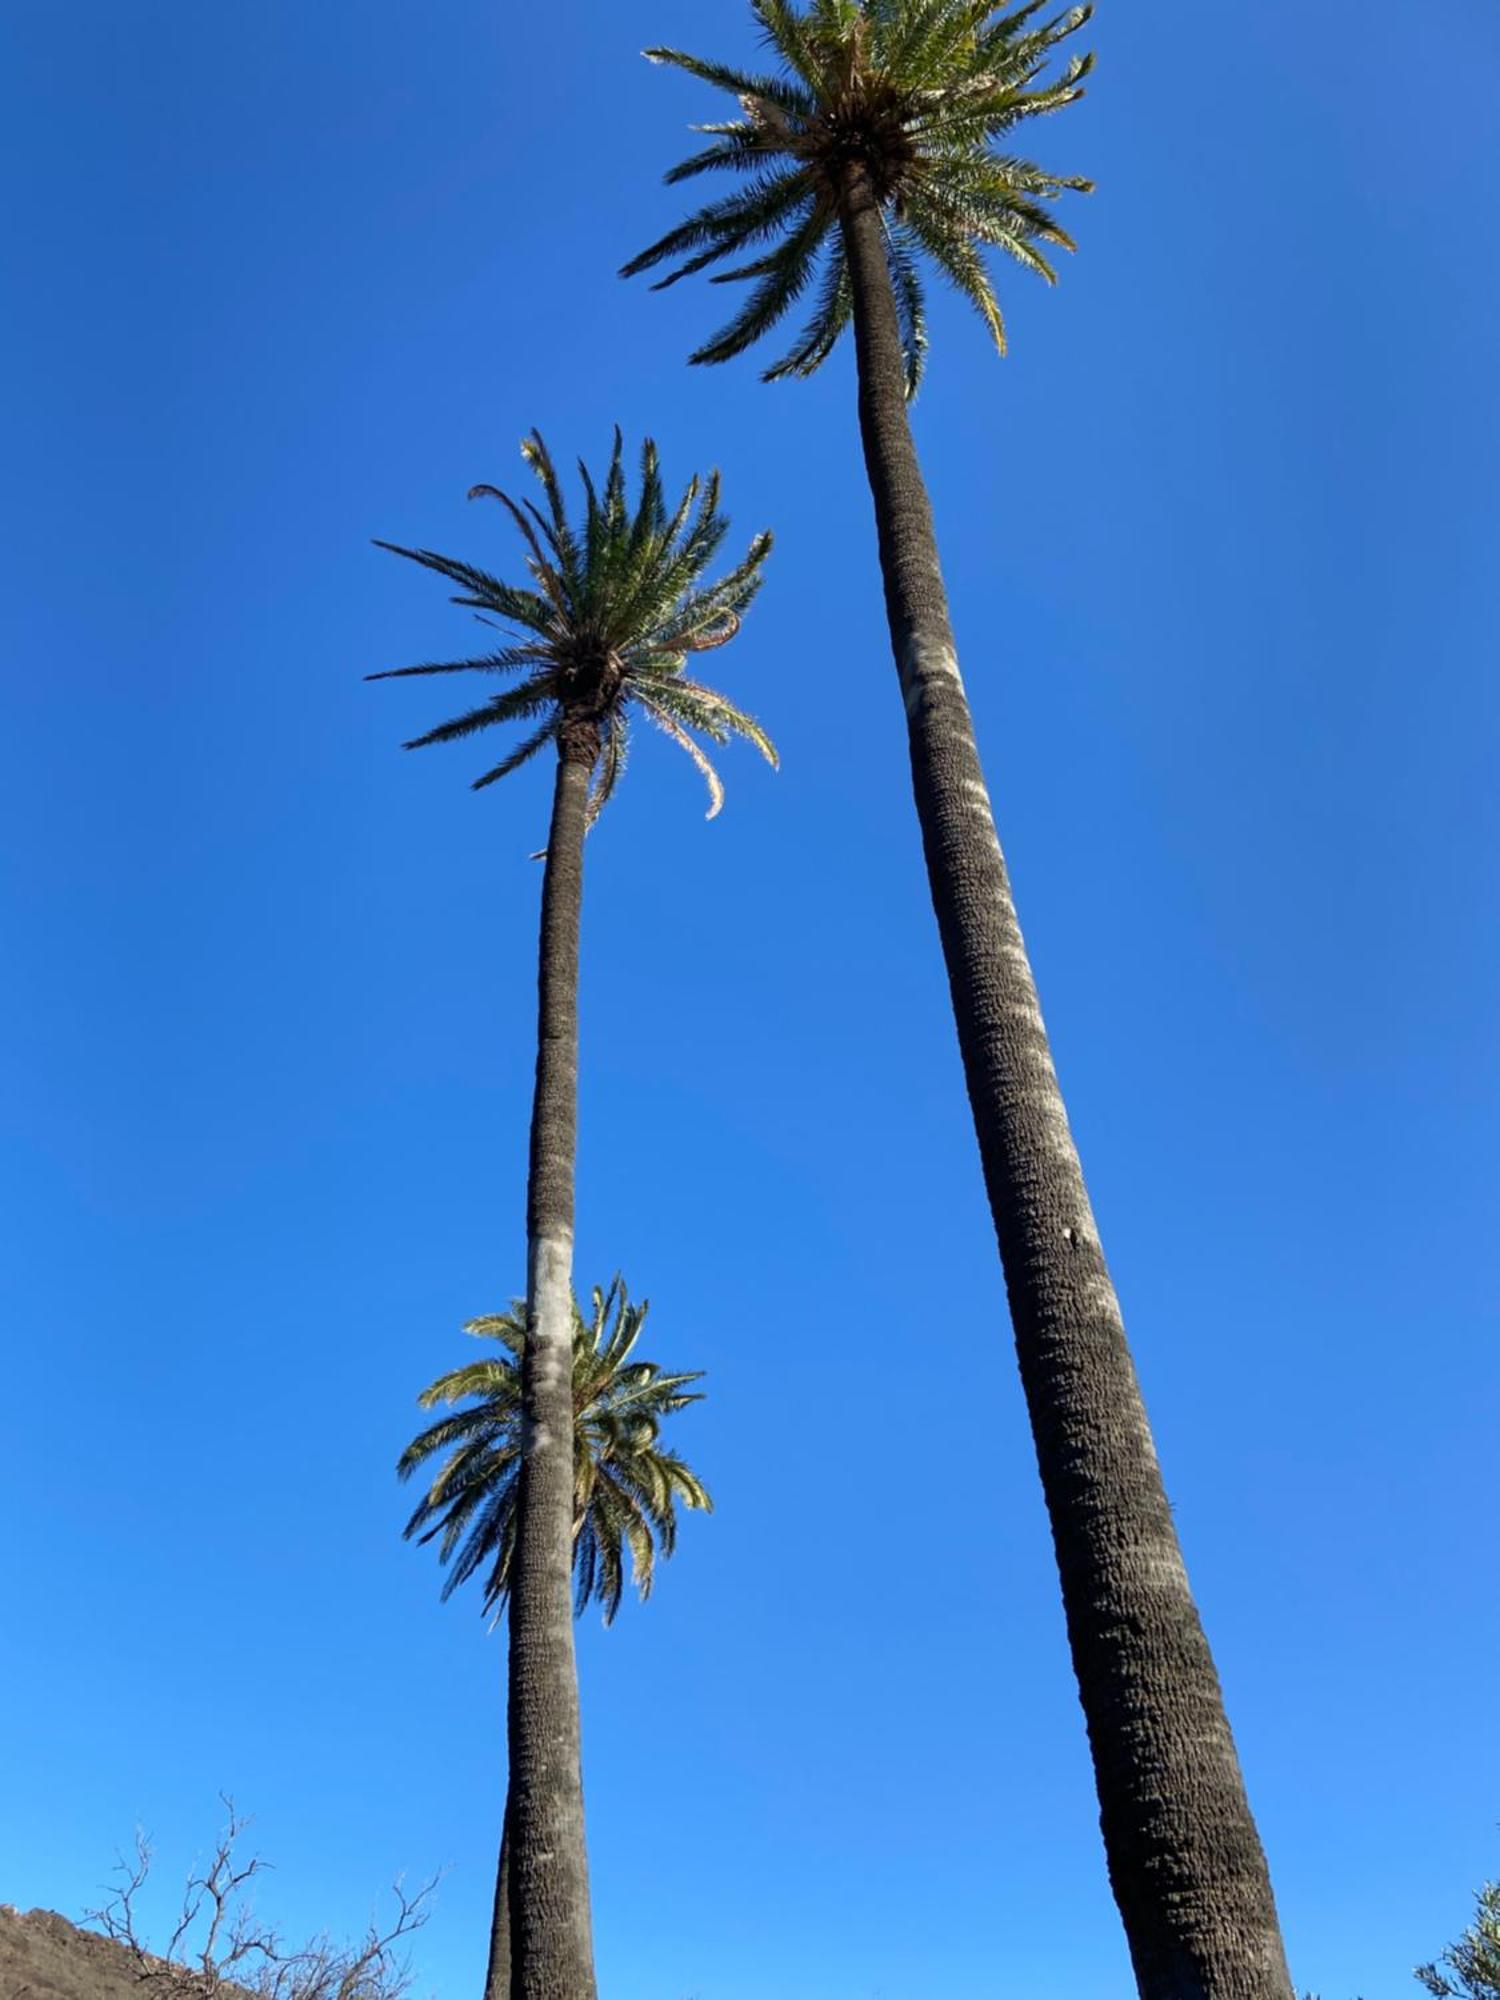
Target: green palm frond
[
  {"x": 661, "y": 714},
  {"x": 616, "y": 601},
  {"x": 626, "y": 1487},
  {"x": 915, "y": 95}
]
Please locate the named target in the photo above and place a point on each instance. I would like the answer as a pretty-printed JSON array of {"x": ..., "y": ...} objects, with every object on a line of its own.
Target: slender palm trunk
[
  {"x": 550, "y": 1933},
  {"x": 1185, "y": 1860},
  {"x": 497, "y": 1972}
]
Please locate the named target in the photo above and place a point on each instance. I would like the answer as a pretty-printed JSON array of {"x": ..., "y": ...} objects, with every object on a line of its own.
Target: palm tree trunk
[
  {"x": 550, "y": 1932},
  {"x": 497, "y": 1972},
  {"x": 1185, "y": 1859}
]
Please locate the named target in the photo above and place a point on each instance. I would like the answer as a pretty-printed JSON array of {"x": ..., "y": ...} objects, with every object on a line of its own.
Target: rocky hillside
[{"x": 44, "y": 1957}]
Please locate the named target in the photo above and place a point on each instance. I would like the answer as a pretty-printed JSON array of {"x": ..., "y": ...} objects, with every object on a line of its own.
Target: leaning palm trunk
[
  {"x": 1184, "y": 1857},
  {"x": 551, "y": 1947}
]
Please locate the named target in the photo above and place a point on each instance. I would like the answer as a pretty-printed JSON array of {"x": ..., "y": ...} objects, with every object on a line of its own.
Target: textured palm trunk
[
  {"x": 551, "y": 1945},
  {"x": 497, "y": 1972},
  {"x": 1185, "y": 1860}
]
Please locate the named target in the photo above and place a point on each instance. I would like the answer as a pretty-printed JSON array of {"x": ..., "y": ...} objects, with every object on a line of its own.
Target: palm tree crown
[
  {"x": 619, "y": 602},
  {"x": 625, "y": 1487},
  {"x": 916, "y": 95}
]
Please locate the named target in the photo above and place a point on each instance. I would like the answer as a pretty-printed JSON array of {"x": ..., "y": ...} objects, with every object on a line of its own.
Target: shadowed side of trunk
[
  {"x": 551, "y": 1945},
  {"x": 1184, "y": 1856},
  {"x": 497, "y": 1972}
]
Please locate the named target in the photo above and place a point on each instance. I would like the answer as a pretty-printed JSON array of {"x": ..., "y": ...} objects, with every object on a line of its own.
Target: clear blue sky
[{"x": 1221, "y": 540}]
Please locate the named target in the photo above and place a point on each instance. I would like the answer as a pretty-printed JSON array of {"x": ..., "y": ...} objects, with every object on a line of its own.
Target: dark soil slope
[{"x": 44, "y": 1957}]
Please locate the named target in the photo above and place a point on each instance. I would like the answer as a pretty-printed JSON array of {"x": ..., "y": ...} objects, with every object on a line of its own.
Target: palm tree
[
  {"x": 615, "y": 607},
  {"x": 875, "y": 147},
  {"x": 625, "y": 1487}
]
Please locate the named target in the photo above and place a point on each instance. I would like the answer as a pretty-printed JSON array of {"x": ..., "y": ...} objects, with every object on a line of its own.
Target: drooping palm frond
[
  {"x": 618, "y": 602},
  {"x": 625, "y": 1486},
  {"x": 919, "y": 95}
]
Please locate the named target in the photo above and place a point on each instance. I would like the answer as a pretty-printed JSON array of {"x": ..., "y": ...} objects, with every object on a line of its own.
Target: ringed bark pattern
[
  {"x": 551, "y": 1947},
  {"x": 1185, "y": 1859}
]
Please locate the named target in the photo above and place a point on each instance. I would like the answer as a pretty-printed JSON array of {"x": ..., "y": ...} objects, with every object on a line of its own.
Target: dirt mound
[{"x": 44, "y": 1957}]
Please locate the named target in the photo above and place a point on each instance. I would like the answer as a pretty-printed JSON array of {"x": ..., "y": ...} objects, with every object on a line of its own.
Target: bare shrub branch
[{"x": 219, "y": 1949}]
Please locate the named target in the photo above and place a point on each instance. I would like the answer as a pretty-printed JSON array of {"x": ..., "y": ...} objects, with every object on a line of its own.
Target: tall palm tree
[
  {"x": 625, "y": 1486},
  {"x": 874, "y": 146},
  {"x": 616, "y": 606}
]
